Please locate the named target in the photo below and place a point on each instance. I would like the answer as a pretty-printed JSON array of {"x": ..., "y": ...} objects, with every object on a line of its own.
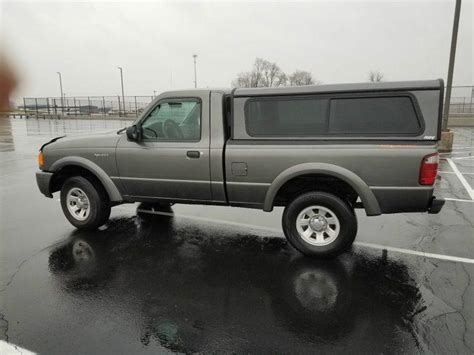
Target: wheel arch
[
  {"x": 368, "y": 198},
  {"x": 93, "y": 169}
]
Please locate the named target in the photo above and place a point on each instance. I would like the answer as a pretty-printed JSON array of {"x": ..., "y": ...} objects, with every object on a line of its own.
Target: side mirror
[{"x": 134, "y": 133}]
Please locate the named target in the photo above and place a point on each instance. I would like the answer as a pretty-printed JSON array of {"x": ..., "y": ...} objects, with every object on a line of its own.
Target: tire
[
  {"x": 78, "y": 193},
  {"x": 319, "y": 224}
]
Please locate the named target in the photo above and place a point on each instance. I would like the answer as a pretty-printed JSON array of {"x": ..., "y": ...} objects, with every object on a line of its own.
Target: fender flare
[
  {"x": 368, "y": 198},
  {"x": 97, "y": 171}
]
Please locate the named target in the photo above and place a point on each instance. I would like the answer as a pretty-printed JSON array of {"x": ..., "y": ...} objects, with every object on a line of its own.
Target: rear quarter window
[{"x": 373, "y": 115}]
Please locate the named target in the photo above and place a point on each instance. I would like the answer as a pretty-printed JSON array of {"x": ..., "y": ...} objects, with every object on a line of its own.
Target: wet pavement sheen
[{"x": 155, "y": 283}]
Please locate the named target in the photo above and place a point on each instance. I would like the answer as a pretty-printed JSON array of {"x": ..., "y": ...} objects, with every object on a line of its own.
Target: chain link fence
[
  {"x": 88, "y": 106},
  {"x": 462, "y": 102}
]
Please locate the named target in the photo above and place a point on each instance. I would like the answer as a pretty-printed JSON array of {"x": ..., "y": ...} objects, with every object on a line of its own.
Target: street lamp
[
  {"x": 61, "y": 88},
  {"x": 195, "y": 77},
  {"x": 123, "y": 95}
]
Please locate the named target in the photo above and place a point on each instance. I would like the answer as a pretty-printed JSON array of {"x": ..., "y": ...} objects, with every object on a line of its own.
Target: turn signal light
[
  {"x": 40, "y": 160},
  {"x": 429, "y": 169}
]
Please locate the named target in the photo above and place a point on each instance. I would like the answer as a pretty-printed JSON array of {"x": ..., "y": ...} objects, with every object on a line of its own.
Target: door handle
[{"x": 193, "y": 154}]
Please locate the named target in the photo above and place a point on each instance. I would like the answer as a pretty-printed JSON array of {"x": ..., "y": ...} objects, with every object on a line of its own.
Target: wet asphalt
[{"x": 218, "y": 279}]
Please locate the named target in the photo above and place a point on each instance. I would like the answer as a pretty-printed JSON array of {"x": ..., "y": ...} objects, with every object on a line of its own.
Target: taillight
[{"x": 429, "y": 169}]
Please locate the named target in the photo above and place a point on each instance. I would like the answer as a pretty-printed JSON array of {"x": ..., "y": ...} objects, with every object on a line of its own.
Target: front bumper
[
  {"x": 436, "y": 204},
  {"x": 43, "y": 179}
]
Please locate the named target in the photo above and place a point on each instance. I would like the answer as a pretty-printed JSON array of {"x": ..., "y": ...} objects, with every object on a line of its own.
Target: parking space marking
[
  {"x": 274, "y": 230},
  {"x": 461, "y": 158},
  {"x": 418, "y": 253},
  {"x": 457, "y": 199},
  {"x": 10, "y": 348},
  {"x": 461, "y": 178},
  {"x": 452, "y": 172},
  {"x": 462, "y": 152}
]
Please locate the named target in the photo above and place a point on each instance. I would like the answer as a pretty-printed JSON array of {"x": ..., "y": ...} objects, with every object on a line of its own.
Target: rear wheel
[
  {"x": 85, "y": 205},
  {"x": 319, "y": 224}
]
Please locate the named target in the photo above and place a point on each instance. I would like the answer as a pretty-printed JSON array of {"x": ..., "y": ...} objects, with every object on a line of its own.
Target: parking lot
[{"x": 219, "y": 279}]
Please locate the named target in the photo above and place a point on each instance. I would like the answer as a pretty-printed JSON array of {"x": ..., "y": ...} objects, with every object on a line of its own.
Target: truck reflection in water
[{"x": 196, "y": 287}]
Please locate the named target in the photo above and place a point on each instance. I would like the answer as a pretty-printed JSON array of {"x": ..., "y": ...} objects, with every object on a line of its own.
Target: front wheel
[
  {"x": 85, "y": 205},
  {"x": 319, "y": 224}
]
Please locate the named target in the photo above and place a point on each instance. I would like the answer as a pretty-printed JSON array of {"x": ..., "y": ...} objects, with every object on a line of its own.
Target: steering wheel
[
  {"x": 171, "y": 130},
  {"x": 152, "y": 130}
]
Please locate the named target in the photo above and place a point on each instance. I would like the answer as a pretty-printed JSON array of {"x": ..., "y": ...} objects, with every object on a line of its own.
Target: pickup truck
[{"x": 320, "y": 151}]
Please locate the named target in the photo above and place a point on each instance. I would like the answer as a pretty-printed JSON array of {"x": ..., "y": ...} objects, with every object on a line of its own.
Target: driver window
[{"x": 174, "y": 120}]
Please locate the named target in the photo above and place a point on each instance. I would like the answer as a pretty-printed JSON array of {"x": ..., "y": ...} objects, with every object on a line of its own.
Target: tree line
[{"x": 265, "y": 73}]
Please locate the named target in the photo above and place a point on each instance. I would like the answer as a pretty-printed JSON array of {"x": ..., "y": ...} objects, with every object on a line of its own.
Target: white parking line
[
  {"x": 452, "y": 172},
  {"x": 418, "y": 253},
  {"x": 462, "y": 147},
  {"x": 9, "y": 348},
  {"x": 451, "y": 153},
  {"x": 457, "y": 199},
  {"x": 461, "y": 158},
  {"x": 461, "y": 178},
  {"x": 278, "y": 231}
]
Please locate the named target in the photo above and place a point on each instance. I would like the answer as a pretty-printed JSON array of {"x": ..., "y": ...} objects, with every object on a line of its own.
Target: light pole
[
  {"x": 447, "y": 136},
  {"x": 123, "y": 95},
  {"x": 154, "y": 93},
  {"x": 452, "y": 56},
  {"x": 61, "y": 88},
  {"x": 195, "y": 77}
]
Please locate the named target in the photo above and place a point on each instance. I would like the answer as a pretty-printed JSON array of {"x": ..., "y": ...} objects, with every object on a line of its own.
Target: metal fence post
[
  {"x": 136, "y": 108},
  {"x": 36, "y": 105},
  {"x": 24, "y": 107},
  {"x": 470, "y": 105},
  {"x": 103, "y": 105},
  {"x": 118, "y": 98},
  {"x": 89, "y": 104}
]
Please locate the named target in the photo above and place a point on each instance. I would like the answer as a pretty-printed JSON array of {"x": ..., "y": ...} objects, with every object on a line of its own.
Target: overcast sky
[{"x": 154, "y": 42}]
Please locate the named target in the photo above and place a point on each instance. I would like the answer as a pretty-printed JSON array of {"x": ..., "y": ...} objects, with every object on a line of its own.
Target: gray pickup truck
[{"x": 319, "y": 151}]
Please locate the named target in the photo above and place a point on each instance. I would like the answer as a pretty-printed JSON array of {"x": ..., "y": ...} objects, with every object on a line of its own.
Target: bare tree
[
  {"x": 244, "y": 80},
  {"x": 263, "y": 74},
  {"x": 272, "y": 75},
  {"x": 375, "y": 76},
  {"x": 302, "y": 77}
]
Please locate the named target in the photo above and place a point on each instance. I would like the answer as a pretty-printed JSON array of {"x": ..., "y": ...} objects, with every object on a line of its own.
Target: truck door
[{"x": 171, "y": 161}]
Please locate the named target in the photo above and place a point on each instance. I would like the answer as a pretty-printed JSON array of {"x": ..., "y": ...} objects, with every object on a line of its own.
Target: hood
[{"x": 103, "y": 140}]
